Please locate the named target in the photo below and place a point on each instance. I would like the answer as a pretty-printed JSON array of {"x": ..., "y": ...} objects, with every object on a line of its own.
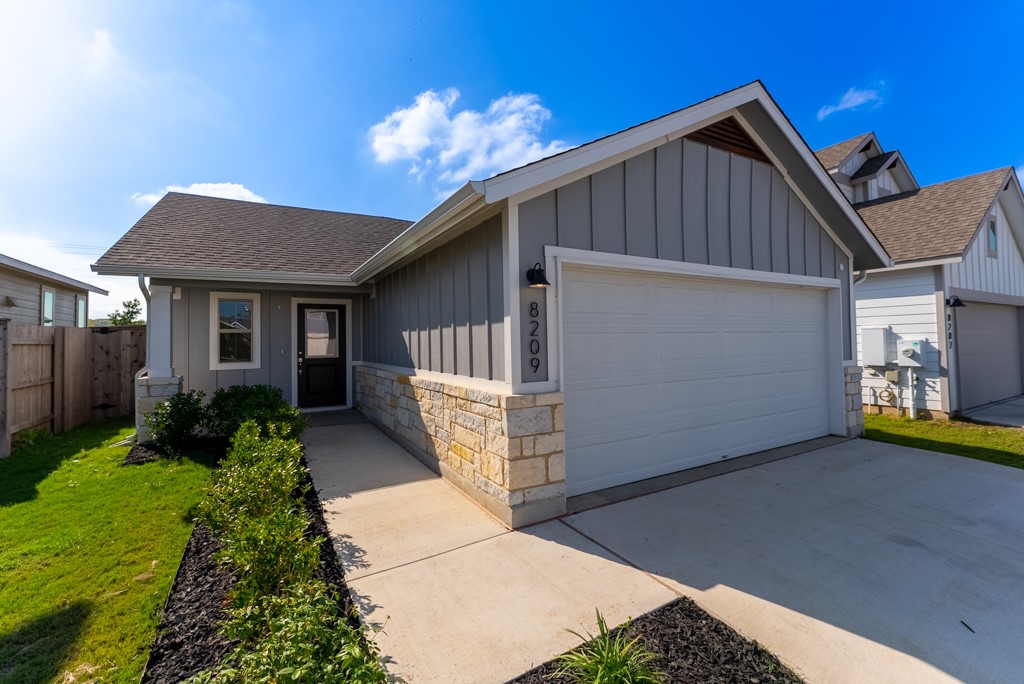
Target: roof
[
  {"x": 207, "y": 234},
  {"x": 934, "y": 221},
  {"x": 873, "y": 165},
  {"x": 45, "y": 274},
  {"x": 834, "y": 155}
]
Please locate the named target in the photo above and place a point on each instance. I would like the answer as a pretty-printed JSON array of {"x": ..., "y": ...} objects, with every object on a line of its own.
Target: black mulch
[
  {"x": 692, "y": 648},
  {"x": 141, "y": 453},
  {"x": 187, "y": 639}
]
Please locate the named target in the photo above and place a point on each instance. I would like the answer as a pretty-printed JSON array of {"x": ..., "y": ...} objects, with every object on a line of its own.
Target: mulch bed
[
  {"x": 142, "y": 453},
  {"x": 692, "y": 648},
  {"x": 188, "y": 640}
]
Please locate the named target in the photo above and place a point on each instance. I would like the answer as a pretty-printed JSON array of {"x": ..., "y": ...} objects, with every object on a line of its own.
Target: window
[
  {"x": 46, "y": 313},
  {"x": 993, "y": 238},
  {"x": 234, "y": 330},
  {"x": 81, "y": 311}
]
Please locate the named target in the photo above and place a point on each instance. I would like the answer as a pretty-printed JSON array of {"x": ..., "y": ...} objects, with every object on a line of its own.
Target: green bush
[
  {"x": 175, "y": 422},
  {"x": 298, "y": 636},
  {"x": 232, "y": 406},
  {"x": 605, "y": 659}
]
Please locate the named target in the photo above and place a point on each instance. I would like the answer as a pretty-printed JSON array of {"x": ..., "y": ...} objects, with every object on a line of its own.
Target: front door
[{"x": 322, "y": 375}]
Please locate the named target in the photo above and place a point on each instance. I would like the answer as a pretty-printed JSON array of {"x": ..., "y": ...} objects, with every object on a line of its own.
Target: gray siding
[
  {"x": 445, "y": 311},
  {"x": 682, "y": 201},
  {"x": 27, "y": 292}
]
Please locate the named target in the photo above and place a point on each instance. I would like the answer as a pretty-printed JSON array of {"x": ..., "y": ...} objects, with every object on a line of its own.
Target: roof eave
[
  {"x": 223, "y": 274},
  {"x": 46, "y": 274}
]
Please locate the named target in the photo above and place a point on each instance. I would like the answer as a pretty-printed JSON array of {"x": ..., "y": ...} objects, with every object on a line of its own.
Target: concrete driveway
[
  {"x": 1009, "y": 413},
  {"x": 859, "y": 562}
]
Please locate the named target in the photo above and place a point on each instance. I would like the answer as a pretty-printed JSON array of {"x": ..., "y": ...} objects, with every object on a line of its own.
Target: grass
[
  {"x": 88, "y": 552},
  {"x": 1002, "y": 445}
]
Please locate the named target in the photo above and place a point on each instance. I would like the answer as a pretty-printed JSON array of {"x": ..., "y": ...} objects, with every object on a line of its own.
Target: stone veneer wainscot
[
  {"x": 148, "y": 393},
  {"x": 504, "y": 451}
]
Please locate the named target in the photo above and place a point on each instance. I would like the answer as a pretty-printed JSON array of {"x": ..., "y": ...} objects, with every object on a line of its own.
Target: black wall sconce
[
  {"x": 955, "y": 302},
  {"x": 535, "y": 276}
]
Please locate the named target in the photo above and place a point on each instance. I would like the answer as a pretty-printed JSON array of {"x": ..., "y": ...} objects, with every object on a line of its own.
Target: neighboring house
[
  {"x": 699, "y": 308},
  {"x": 34, "y": 295},
  {"x": 960, "y": 239}
]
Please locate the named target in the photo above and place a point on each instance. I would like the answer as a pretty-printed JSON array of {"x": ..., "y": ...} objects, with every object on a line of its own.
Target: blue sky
[{"x": 382, "y": 107}]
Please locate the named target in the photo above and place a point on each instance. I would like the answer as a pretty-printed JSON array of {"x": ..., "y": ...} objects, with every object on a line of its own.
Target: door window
[{"x": 321, "y": 333}]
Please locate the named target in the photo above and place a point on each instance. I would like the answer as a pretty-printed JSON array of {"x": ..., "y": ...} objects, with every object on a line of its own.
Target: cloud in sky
[
  {"x": 453, "y": 147},
  {"x": 235, "y": 191},
  {"x": 851, "y": 99}
]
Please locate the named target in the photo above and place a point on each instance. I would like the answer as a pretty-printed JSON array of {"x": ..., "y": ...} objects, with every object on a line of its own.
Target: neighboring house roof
[
  {"x": 934, "y": 221},
  {"x": 45, "y": 274},
  {"x": 834, "y": 155},
  {"x": 208, "y": 236},
  {"x": 873, "y": 165}
]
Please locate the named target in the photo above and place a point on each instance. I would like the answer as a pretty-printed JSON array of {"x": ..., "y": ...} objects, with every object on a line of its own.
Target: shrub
[
  {"x": 605, "y": 659},
  {"x": 298, "y": 636},
  {"x": 175, "y": 422},
  {"x": 232, "y": 406}
]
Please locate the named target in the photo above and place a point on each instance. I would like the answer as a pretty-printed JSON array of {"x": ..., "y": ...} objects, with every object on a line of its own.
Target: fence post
[
  {"x": 5, "y": 382},
  {"x": 58, "y": 388}
]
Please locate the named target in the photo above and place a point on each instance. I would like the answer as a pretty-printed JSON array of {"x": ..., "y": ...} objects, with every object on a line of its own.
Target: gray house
[
  {"x": 668, "y": 296},
  {"x": 37, "y": 296}
]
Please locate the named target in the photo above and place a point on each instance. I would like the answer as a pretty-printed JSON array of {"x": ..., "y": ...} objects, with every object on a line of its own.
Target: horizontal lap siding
[
  {"x": 904, "y": 301},
  {"x": 444, "y": 312},
  {"x": 27, "y": 294}
]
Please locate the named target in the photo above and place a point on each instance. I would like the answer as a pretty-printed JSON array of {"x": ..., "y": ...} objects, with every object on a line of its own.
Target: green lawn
[
  {"x": 88, "y": 552},
  {"x": 1002, "y": 445}
]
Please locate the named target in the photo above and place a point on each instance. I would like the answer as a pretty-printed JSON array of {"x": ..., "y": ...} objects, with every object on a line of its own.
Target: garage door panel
[
  {"x": 989, "y": 350},
  {"x": 710, "y": 370}
]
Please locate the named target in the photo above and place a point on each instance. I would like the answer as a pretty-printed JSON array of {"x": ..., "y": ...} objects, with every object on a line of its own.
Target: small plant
[
  {"x": 175, "y": 422},
  {"x": 264, "y": 404},
  {"x": 607, "y": 659}
]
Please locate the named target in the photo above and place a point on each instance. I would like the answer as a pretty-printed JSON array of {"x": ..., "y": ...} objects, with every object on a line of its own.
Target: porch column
[{"x": 158, "y": 334}]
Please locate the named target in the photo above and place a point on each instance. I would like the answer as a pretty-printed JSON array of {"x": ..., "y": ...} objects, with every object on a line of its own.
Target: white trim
[
  {"x": 493, "y": 386},
  {"x": 620, "y": 261},
  {"x": 43, "y": 289},
  {"x": 916, "y": 264},
  {"x": 257, "y": 331},
  {"x": 349, "y": 377},
  {"x": 85, "y": 321},
  {"x": 224, "y": 274}
]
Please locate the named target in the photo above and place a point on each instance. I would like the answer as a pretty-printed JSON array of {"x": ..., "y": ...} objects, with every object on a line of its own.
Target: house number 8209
[{"x": 534, "y": 325}]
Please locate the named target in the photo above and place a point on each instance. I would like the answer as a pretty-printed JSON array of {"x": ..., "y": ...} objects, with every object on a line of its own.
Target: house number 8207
[{"x": 534, "y": 326}]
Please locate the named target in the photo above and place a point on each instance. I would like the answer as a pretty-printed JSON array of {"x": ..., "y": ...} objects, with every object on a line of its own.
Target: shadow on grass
[
  {"x": 31, "y": 463},
  {"x": 34, "y": 652},
  {"x": 980, "y": 453}
]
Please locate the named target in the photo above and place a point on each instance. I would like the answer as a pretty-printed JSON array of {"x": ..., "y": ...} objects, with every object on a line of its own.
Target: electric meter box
[
  {"x": 877, "y": 346},
  {"x": 911, "y": 353}
]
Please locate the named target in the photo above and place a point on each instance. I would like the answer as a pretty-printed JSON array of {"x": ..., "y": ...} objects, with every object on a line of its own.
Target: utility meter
[{"x": 910, "y": 353}]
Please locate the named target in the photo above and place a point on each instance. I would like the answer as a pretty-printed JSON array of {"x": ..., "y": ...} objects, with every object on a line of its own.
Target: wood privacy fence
[{"x": 60, "y": 378}]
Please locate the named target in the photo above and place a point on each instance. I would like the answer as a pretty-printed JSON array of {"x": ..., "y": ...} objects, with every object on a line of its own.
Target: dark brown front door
[{"x": 321, "y": 363}]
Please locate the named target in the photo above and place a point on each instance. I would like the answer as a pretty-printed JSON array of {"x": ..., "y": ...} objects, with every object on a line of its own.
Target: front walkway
[{"x": 859, "y": 562}]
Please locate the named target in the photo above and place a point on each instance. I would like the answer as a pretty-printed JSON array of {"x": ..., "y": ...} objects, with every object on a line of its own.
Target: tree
[{"x": 131, "y": 314}]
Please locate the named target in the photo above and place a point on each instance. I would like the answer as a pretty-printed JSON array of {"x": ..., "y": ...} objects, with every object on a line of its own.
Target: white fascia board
[
  {"x": 230, "y": 275},
  {"x": 39, "y": 272},
  {"x": 916, "y": 264},
  {"x": 660, "y": 130},
  {"x": 464, "y": 201},
  {"x": 1014, "y": 208}
]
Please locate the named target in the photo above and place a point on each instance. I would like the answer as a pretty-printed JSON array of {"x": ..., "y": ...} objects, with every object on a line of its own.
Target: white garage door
[
  {"x": 988, "y": 336},
  {"x": 664, "y": 373}
]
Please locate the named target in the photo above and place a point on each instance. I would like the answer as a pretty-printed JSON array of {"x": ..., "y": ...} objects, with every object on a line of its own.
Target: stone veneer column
[
  {"x": 853, "y": 401},
  {"x": 149, "y": 392}
]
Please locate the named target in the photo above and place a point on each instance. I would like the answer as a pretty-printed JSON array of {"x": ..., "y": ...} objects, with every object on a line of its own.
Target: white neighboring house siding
[
  {"x": 1003, "y": 274},
  {"x": 905, "y": 301}
]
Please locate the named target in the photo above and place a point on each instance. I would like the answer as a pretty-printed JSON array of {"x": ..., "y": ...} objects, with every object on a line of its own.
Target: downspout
[{"x": 146, "y": 296}]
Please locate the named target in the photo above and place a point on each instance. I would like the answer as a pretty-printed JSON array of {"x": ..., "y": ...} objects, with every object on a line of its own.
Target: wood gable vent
[{"x": 728, "y": 135}]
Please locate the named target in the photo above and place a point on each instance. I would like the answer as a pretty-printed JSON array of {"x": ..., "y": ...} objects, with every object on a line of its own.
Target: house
[
  {"x": 672, "y": 295},
  {"x": 955, "y": 292},
  {"x": 37, "y": 296}
]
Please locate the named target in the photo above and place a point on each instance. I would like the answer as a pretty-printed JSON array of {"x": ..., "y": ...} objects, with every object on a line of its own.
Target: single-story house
[
  {"x": 672, "y": 295},
  {"x": 955, "y": 293},
  {"x": 37, "y": 296}
]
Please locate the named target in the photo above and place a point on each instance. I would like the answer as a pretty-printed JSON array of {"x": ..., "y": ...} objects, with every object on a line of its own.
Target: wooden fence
[{"x": 60, "y": 378}]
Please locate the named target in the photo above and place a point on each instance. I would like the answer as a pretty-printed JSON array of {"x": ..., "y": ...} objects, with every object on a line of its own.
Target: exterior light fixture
[
  {"x": 955, "y": 302},
  {"x": 535, "y": 276}
]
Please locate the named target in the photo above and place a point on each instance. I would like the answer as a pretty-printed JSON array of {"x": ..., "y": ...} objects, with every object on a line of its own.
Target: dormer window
[{"x": 993, "y": 238}]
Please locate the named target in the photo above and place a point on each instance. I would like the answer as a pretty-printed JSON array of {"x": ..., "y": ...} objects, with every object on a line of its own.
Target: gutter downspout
[{"x": 145, "y": 366}]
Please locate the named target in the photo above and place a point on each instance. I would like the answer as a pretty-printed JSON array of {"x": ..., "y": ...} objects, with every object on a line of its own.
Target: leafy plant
[
  {"x": 175, "y": 422},
  {"x": 607, "y": 659},
  {"x": 264, "y": 404},
  {"x": 130, "y": 313}
]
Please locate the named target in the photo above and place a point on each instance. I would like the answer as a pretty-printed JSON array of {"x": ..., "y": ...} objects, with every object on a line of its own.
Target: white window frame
[
  {"x": 42, "y": 307},
  {"x": 84, "y": 321},
  {"x": 991, "y": 232},
  {"x": 257, "y": 331}
]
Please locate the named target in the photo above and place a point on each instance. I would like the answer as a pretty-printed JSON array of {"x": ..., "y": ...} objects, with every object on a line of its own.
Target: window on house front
[
  {"x": 46, "y": 313},
  {"x": 81, "y": 311},
  {"x": 993, "y": 239},
  {"x": 234, "y": 330}
]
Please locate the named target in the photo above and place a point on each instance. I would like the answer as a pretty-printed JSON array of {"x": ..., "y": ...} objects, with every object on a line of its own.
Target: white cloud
[
  {"x": 456, "y": 146},
  {"x": 235, "y": 191},
  {"x": 851, "y": 99}
]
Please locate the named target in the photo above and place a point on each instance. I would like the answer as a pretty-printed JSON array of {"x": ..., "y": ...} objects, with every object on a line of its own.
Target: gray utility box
[
  {"x": 877, "y": 346},
  {"x": 911, "y": 353}
]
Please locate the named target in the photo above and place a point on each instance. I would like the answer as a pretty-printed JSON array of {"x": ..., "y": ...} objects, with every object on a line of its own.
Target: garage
[
  {"x": 989, "y": 340},
  {"x": 668, "y": 372}
]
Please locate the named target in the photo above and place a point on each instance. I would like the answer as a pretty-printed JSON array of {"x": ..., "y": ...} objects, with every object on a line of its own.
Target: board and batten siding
[
  {"x": 1002, "y": 274},
  {"x": 27, "y": 292},
  {"x": 904, "y": 301},
  {"x": 683, "y": 201},
  {"x": 445, "y": 311}
]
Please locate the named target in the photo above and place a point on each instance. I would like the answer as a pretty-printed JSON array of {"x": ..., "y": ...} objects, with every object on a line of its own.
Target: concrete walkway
[
  {"x": 1009, "y": 413},
  {"x": 859, "y": 562}
]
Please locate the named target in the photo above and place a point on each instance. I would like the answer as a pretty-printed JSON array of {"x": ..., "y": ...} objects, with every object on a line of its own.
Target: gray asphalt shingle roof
[
  {"x": 833, "y": 155},
  {"x": 935, "y": 221},
  {"x": 192, "y": 231}
]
